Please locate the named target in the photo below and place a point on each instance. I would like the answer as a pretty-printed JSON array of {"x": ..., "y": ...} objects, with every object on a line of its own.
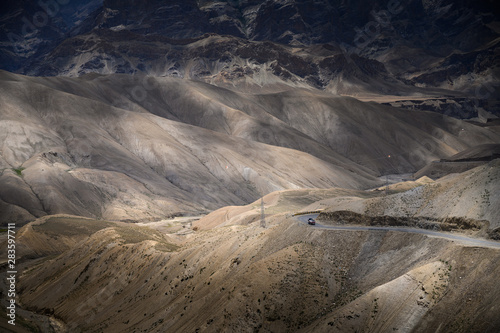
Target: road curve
[{"x": 453, "y": 237}]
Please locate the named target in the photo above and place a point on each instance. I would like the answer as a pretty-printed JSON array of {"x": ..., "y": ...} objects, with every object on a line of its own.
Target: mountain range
[
  {"x": 146, "y": 148},
  {"x": 402, "y": 48},
  {"x": 161, "y": 162},
  {"x": 279, "y": 73}
]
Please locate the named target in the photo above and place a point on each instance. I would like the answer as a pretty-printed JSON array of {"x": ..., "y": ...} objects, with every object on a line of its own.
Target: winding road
[{"x": 449, "y": 236}]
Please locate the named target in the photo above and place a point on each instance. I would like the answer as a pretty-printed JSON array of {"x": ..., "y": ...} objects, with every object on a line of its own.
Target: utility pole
[
  {"x": 262, "y": 216},
  {"x": 386, "y": 184},
  {"x": 387, "y": 176}
]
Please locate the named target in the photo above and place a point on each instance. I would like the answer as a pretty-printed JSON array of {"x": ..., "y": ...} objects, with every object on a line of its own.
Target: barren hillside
[
  {"x": 232, "y": 274},
  {"x": 250, "y": 166},
  {"x": 141, "y": 148},
  {"x": 473, "y": 194}
]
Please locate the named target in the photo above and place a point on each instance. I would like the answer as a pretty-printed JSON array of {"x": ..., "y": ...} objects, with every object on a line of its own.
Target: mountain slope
[
  {"x": 80, "y": 156},
  {"x": 472, "y": 194},
  {"x": 361, "y": 47},
  {"x": 286, "y": 277},
  {"x": 122, "y": 147}
]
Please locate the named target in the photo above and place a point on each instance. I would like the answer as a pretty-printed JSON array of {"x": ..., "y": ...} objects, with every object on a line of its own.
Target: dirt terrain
[
  {"x": 463, "y": 161},
  {"x": 85, "y": 146},
  {"x": 160, "y": 161},
  {"x": 226, "y": 272}
]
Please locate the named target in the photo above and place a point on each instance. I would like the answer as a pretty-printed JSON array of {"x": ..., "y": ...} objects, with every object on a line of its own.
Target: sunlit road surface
[{"x": 453, "y": 237}]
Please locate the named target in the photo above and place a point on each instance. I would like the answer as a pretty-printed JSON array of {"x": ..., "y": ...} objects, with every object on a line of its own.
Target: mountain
[
  {"x": 470, "y": 194},
  {"x": 160, "y": 162},
  {"x": 461, "y": 162},
  {"x": 113, "y": 276},
  {"x": 32, "y": 28},
  {"x": 141, "y": 148},
  {"x": 82, "y": 156},
  {"x": 414, "y": 48}
]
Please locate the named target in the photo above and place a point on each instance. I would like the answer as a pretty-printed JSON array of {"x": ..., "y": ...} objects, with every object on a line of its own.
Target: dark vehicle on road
[{"x": 311, "y": 221}]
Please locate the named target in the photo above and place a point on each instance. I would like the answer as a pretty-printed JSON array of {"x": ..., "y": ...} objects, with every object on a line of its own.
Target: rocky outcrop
[
  {"x": 405, "y": 45},
  {"x": 445, "y": 224}
]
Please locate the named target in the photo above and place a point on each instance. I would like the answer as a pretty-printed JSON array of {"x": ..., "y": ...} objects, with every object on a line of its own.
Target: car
[{"x": 311, "y": 221}]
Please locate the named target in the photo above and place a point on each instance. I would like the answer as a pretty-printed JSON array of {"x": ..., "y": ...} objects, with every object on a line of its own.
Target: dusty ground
[
  {"x": 285, "y": 278},
  {"x": 230, "y": 274}
]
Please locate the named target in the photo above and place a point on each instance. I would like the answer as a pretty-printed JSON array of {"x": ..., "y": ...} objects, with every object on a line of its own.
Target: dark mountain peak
[{"x": 324, "y": 43}]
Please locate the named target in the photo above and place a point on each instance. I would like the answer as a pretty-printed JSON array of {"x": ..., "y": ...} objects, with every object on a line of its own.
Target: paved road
[{"x": 454, "y": 237}]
